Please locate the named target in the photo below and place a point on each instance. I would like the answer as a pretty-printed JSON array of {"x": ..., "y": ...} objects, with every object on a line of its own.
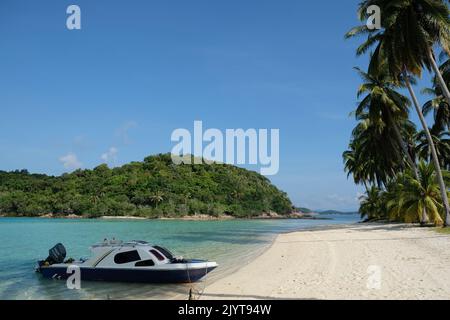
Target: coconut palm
[
  {"x": 354, "y": 166},
  {"x": 374, "y": 156},
  {"x": 157, "y": 198},
  {"x": 371, "y": 205},
  {"x": 412, "y": 197},
  {"x": 441, "y": 140},
  {"x": 384, "y": 105},
  {"x": 438, "y": 104},
  {"x": 410, "y": 28}
]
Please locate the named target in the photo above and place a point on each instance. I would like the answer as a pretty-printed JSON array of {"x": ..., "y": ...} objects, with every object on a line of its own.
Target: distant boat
[{"x": 134, "y": 261}]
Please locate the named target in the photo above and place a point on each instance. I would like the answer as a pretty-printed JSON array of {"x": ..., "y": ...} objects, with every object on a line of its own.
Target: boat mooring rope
[{"x": 194, "y": 292}]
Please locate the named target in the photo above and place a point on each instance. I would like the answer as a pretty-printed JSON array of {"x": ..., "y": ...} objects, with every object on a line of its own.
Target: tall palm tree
[
  {"x": 410, "y": 28},
  {"x": 385, "y": 105},
  {"x": 374, "y": 156}
]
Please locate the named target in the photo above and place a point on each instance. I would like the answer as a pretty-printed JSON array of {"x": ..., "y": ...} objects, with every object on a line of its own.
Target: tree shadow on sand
[{"x": 247, "y": 297}]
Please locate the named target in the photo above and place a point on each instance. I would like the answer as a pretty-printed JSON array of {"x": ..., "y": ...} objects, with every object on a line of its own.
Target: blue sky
[{"x": 137, "y": 70}]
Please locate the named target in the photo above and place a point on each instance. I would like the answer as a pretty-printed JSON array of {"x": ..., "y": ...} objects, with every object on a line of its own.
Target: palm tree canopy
[
  {"x": 376, "y": 152},
  {"x": 441, "y": 140},
  {"x": 381, "y": 100},
  {"x": 438, "y": 104},
  {"x": 409, "y": 30}
]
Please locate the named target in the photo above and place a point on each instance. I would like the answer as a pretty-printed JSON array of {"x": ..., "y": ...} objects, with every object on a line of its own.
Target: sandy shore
[{"x": 352, "y": 262}]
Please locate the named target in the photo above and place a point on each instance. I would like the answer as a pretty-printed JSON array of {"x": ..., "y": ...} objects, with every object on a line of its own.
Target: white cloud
[
  {"x": 70, "y": 161},
  {"x": 110, "y": 156}
]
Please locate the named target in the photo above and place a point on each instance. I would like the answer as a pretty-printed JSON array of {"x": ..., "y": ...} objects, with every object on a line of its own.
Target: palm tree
[
  {"x": 441, "y": 141},
  {"x": 375, "y": 155},
  {"x": 439, "y": 105},
  {"x": 354, "y": 166},
  {"x": 412, "y": 197},
  {"x": 410, "y": 29},
  {"x": 157, "y": 198},
  {"x": 371, "y": 204},
  {"x": 385, "y": 105}
]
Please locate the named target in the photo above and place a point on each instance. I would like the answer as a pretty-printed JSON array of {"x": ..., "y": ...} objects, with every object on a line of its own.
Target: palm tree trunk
[
  {"x": 432, "y": 147},
  {"x": 439, "y": 76},
  {"x": 402, "y": 143},
  {"x": 425, "y": 218}
]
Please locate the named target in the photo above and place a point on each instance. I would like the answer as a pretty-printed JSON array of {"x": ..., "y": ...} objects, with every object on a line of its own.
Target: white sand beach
[{"x": 343, "y": 263}]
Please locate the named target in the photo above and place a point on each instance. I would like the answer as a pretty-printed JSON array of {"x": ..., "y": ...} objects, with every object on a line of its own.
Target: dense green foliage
[
  {"x": 406, "y": 198},
  {"x": 152, "y": 188},
  {"x": 401, "y": 168}
]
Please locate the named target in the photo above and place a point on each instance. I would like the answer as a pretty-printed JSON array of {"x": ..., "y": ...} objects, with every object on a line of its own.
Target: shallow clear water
[{"x": 232, "y": 243}]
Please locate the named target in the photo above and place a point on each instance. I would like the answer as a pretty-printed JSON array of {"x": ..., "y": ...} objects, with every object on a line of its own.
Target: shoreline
[
  {"x": 209, "y": 282},
  {"x": 196, "y": 217},
  {"x": 334, "y": 262}
]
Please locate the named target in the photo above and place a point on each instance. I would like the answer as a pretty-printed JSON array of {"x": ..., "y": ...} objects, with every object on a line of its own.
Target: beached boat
[{"x": 134, "y": 261}]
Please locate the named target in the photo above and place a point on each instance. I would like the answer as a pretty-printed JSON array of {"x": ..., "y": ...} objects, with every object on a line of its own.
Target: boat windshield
[{"x": 165, "y": 252}]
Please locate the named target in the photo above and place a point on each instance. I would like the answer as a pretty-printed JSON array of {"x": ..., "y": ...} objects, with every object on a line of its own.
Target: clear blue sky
[{"x": 140, "y": 69}]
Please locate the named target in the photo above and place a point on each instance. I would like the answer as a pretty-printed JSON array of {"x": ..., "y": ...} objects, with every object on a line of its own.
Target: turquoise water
[{"x": 23, "y": 241}]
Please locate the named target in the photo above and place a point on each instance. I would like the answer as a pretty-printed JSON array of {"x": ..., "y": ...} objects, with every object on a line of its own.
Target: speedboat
[{"x": 134, "y": 261}]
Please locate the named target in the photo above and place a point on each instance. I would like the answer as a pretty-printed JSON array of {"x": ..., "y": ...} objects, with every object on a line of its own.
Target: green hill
[
  {"x": 152, "y": 188},
  {"x": 304, "y": 210}
]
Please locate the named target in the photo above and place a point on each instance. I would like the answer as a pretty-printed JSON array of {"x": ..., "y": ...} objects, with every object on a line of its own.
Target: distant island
[
  {"x": 154, "y": 188},
  {"x": 338, "y": 212},
  {"x": 324, "y": 212}
]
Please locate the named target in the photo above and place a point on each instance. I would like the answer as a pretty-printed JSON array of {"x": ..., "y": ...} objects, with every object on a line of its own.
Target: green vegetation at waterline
[
  {"x": 402, "y": 170},
  {"x": 152, "y": 188}
]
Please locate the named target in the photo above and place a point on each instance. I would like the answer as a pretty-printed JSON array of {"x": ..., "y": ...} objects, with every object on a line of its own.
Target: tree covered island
[{"x": 154, "y": 188}]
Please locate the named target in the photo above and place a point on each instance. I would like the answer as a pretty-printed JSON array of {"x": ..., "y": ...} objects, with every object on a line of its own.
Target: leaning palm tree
[
  {"x": 414, "y": 196},
  {"x": 410, "y": 28}
]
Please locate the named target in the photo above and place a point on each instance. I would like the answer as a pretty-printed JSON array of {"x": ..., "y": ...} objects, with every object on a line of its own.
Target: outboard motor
[{"x": 57, "y": 254}]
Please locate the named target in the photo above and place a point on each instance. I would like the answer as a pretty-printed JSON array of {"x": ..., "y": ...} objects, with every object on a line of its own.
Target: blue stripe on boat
[{"x": 129, "y": 275}]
